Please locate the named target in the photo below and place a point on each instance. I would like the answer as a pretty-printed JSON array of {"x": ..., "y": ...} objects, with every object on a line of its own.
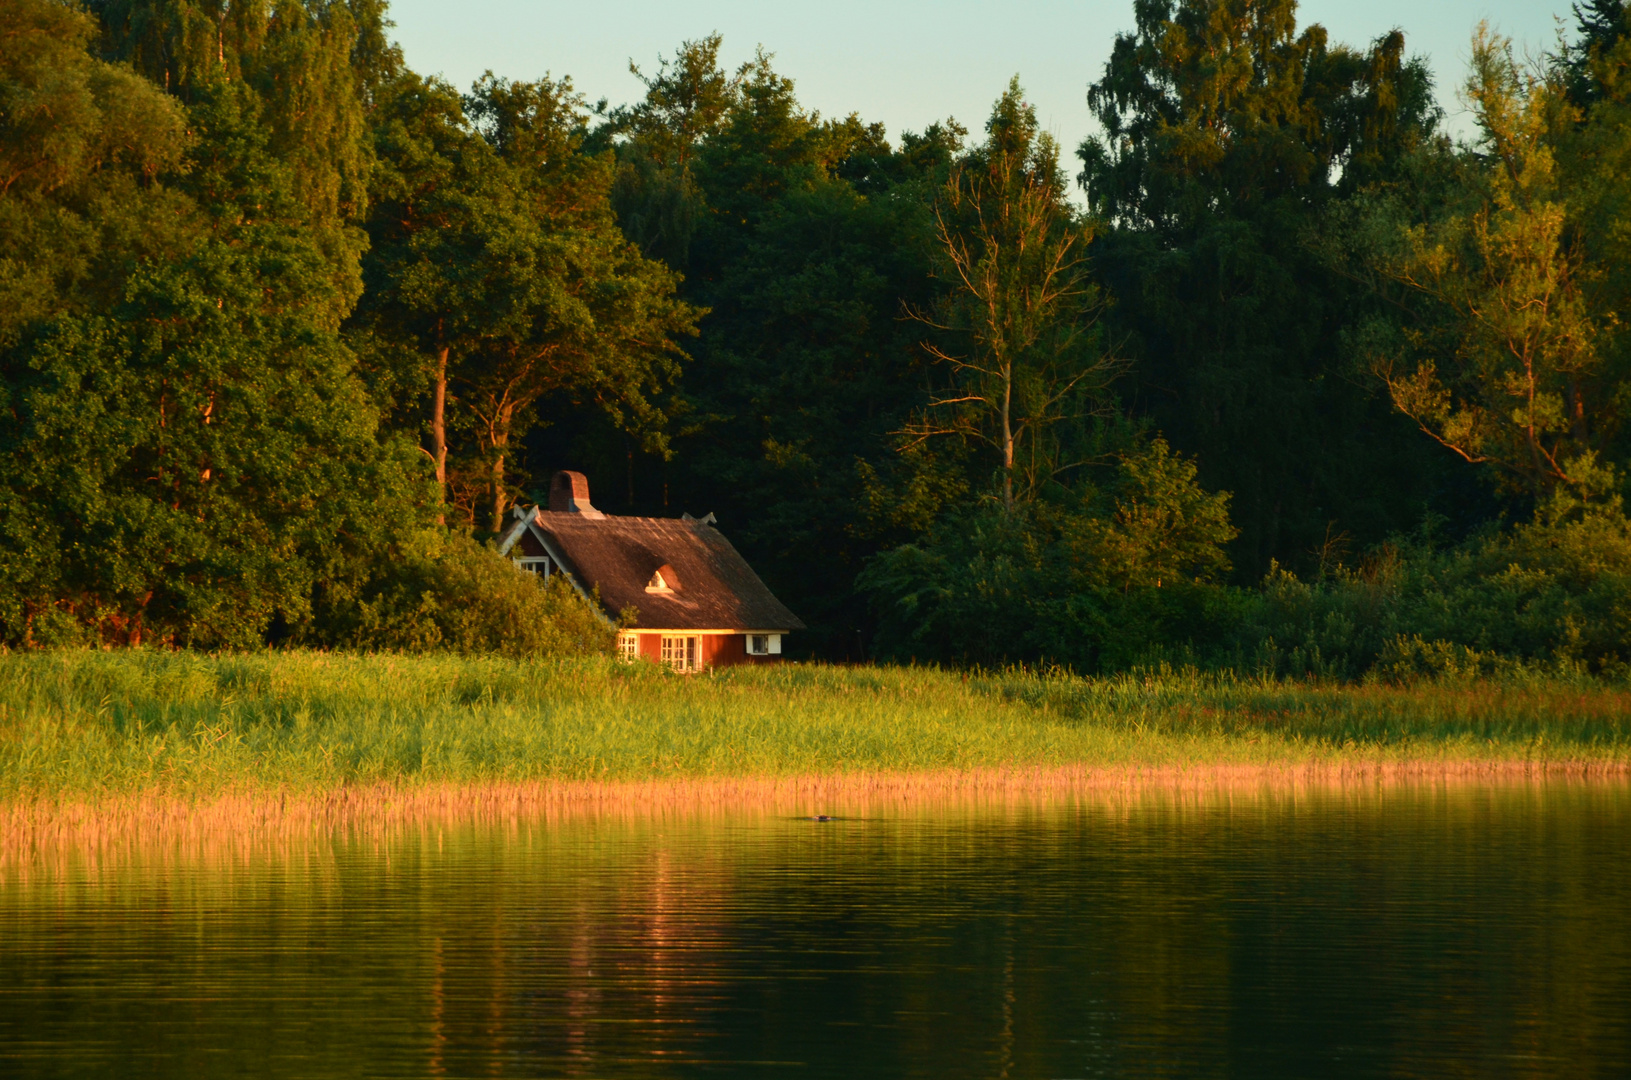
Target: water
[{"x": 1429, "y": 931}]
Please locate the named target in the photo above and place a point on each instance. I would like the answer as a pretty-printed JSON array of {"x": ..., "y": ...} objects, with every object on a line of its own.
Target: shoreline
[{"x": 159, "y": 817}]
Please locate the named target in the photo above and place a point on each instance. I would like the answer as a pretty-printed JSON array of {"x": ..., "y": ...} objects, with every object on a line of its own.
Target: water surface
[{"x": 1415, "y": 931}]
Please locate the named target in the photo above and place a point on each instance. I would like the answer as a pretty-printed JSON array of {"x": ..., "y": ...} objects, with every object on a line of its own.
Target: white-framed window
[
  {"x": 764, "y": 644},
  {"x": 681, "y": 653},
  {"x": 628, "y": 647},
  {"x": 534, "y": 564}
]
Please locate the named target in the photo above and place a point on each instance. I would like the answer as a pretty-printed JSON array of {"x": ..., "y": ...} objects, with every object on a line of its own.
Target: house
[{"x": 697, "y": 602}]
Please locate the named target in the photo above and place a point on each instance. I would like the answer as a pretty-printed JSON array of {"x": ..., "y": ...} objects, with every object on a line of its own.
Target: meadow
[{"x": 85, "y": 727}]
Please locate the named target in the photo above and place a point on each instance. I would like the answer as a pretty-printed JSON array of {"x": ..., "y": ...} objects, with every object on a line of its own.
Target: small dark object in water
[{"x": 823, "y": 817}]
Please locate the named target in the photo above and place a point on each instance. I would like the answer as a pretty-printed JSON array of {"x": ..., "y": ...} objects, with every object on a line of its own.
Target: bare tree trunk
[
  {"x": 1007, "y": 440},
  {"x": 498, "y": 491},
  {"x": 499, "y": 434},
  {"x": 438, "y": 430}
]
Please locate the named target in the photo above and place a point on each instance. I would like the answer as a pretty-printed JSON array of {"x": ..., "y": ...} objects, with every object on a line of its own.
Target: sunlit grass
[{"x": 88, "y": 725}]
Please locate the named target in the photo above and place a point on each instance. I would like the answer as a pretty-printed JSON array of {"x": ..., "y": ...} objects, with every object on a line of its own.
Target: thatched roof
[{"x": 708, "y": 585}]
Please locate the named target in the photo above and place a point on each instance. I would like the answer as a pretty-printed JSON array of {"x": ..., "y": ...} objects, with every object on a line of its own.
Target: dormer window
[{"x": 663, "y": 581}]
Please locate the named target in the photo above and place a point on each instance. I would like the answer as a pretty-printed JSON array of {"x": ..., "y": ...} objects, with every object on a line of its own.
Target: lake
[{"x": 1412, "y": 929}]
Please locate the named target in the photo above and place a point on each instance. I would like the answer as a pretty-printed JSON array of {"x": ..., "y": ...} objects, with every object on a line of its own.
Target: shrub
[
  {"x": 444, "y": 591},
  {"x": 1099, "y": 579},
  {"x": 1554, "y": 593}
]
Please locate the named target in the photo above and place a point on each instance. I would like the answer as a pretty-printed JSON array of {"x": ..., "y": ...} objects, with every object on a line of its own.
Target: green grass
[{"x": 94, "y": 724}]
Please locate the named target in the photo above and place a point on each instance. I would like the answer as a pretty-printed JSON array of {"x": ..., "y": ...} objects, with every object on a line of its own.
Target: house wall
[
  {"x": 723, "y": 650},
  {"x": 717, "y": 650}
]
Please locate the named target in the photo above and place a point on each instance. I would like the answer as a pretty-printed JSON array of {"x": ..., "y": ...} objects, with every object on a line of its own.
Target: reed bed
[
  {"x": 89, "y": 738},
  {"x": 237, "y": 833}
]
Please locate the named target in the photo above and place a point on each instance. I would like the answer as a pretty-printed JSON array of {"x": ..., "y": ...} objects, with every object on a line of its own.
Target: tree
[
  {"x": 436, "y": 206},
  {"x": 591, "y": 318},
  {"x": 655, "y": 194},
  {"x": 1232, "y": 137},
  {"x": 1587, "y": 68},
  {"x": 1505, "y": 374},
  {"x": 802, "y": 237},
  {"x": 498, "y": 278},
  {"x": 299, "y": 60},
  {"x": 1020, "y": 315},
  {"x": 191, "y": 451}
]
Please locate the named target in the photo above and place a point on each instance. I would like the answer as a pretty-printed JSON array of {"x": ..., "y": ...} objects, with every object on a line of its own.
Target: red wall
[{"x": 718, "y": 650}]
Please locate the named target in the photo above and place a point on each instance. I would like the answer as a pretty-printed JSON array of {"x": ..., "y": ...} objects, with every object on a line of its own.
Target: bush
[
  {"x": 445, "y": 592},
  {"x": 1555, "y": 593},
  {"x": 1085, "y": 588},
  {"x": 1099, "y": 579}
]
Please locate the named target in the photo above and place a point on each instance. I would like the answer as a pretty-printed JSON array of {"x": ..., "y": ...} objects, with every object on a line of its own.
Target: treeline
[{"x": 286, "y": 328}]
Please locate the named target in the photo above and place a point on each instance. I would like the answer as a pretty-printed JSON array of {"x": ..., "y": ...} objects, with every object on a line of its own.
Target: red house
[{"x": 697, "y": 602}]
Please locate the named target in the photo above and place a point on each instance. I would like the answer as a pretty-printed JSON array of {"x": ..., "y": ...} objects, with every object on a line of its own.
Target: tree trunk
[
  {"x": 438, "y": 431},
  {"x": 499, "y": 433},
  {"x": 1007, "y": 441},
  {"x": 498, "y": 491}
]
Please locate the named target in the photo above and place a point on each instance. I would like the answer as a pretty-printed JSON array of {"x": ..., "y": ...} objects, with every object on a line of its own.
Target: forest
[{"x": 1274, "y": 374}]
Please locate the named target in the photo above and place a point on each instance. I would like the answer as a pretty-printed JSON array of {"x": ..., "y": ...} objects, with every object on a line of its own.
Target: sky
[{"x": 906, "y": 63}]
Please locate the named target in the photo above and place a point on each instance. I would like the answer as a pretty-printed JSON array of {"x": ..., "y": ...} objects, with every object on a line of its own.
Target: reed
[
  {"x": 156, "y": 834},
  {"x": 94, "y": 726}
]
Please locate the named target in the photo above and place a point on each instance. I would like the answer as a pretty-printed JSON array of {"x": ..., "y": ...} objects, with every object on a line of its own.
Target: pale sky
[{"x": 907, "y": 63}]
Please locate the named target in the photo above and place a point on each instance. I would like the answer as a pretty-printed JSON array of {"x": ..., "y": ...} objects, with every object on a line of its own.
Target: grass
[{"x": 99, "y": 726}]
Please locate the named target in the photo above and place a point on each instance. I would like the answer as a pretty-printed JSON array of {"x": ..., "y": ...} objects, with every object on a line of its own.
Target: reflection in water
[{"x": 1416, "y": 931}]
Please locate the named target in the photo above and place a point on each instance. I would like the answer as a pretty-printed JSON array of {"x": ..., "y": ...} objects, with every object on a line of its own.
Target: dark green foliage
[
  {"x": 190, "y": 459},
  {"x": 498, "y": 279},
  {"x": 286, "y": 328},
  {"x": 1021, "y": 363},
  {"x": 1590, "y": 66},
  {"x": 1555, "y": 593},
  {"x": 294, "y": 59},
  {"x": 437, "y": 591},
  {"x": 803, "y": 239},
  {"x": 1229, "y": 133},
  {"x": 1100, "y": 580}
]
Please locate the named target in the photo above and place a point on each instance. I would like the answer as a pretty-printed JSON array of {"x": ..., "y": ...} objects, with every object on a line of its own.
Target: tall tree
[
  {"x": 438, "y": 205},
  {"x": 1515, "y": 359},
  {"x": 1230, "y": 134},
  {"x": 191, "y": 450},
  {"x": 1587, "y": 67},
  {"x": 1593, "y": 157},
  {"x": 805, "y": 237},
  {"x": 1506, "y": 376},
  {"x": 655, "y": 194},
  {"x": 302, "y": 61},
  {"x": 595, "y": 321},
  {"x": 1018, "y": 324},
  {"x": 498, "y": 278}
]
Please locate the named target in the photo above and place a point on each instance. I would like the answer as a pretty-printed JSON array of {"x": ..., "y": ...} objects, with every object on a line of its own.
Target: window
[
  {"x": 764, "y": 644},
  {"x": 663, "y": 581},
  {"x": 680, "y": 653},
  {"x": 628, "y": 647},
  {"x": 534, "y": 564}
]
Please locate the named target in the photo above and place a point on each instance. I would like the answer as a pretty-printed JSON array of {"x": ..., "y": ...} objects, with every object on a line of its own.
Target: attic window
[{"x": 664, "y": 582}]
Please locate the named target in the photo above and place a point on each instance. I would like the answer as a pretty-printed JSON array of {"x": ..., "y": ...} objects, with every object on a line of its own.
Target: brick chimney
[{"x": 569, "y": 494}]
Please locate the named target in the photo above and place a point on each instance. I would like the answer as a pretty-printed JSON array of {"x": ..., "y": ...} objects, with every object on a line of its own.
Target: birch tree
[{"x": 1018, "y": 329}]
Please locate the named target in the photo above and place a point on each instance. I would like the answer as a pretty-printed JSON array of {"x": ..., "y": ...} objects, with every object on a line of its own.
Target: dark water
[{"x": 1479, "y": 932}]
